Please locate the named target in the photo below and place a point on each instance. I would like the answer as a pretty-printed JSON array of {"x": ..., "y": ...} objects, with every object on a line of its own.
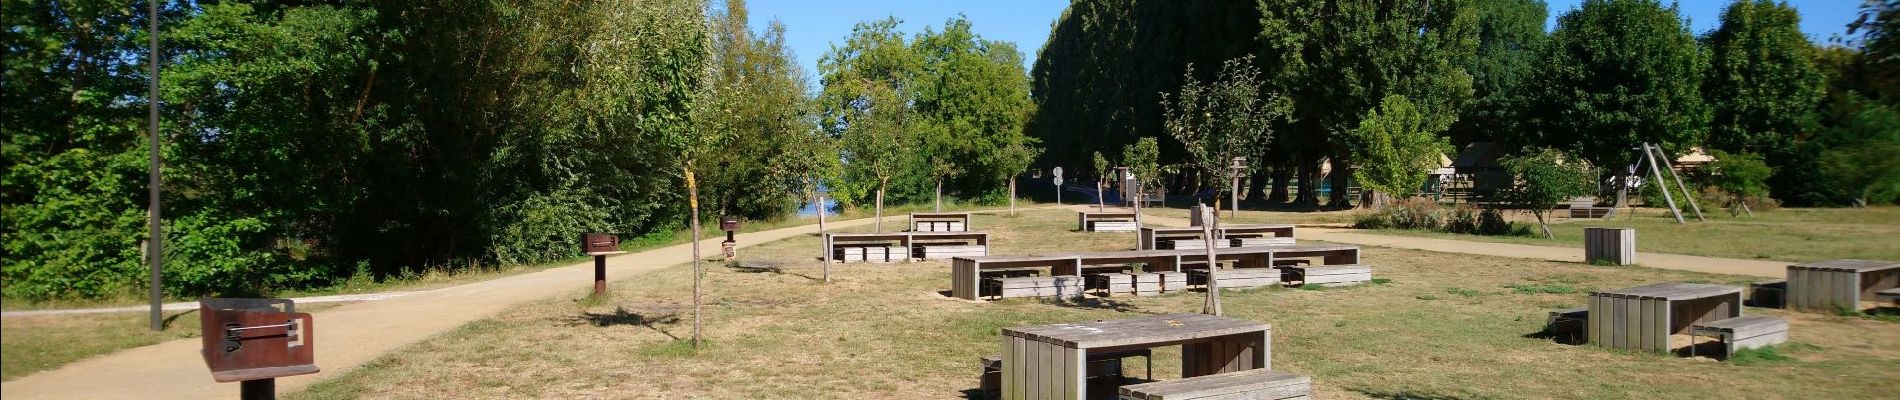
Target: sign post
[
  {"x": 1233, "y": 190},
  {"x": 600, "y": 245},
  {"x": 1058, "y": 173},
  {"x": 255, "y": 341}
]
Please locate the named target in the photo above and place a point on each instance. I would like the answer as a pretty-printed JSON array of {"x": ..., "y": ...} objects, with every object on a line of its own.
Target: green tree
[
  {"x": 1510, "y": 37},
  {"x": 1337, "y": 59},
  {"x": 1543, "y": 178},
  {"x": 769, "y": 115},
  {"x": 1223, "y": 119},
  {"x": 1600, "y": 100},
  {"x": 1396, "y": 149},
  {"x": 1879, "y": 28},
  {"x": 1742, "y": 177},
  {"x": 1857, "y": 154},
  {"x": 1762, "y": 85},
  {"x": 975, "y": 96},
  {"x": 1143, "y": 159},
  {"x": 866, "y": 102},
  {"x": 1012, "y": 160},
  {"x": 1102, "y": 167}
]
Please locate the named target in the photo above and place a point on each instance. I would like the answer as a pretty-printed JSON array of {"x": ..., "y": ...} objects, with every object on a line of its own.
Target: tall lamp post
[{"x": 156, "y": 252}]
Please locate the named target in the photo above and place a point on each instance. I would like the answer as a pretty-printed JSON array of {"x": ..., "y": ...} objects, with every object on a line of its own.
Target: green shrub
[{"x": 1412, "y": 213}]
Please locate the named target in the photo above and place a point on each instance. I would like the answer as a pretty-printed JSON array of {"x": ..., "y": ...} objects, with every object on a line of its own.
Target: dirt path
[
  {"x": 353, "y": 334},
  {"x": 1713, "y": 265},
  {"x": 183, "y": 306}
]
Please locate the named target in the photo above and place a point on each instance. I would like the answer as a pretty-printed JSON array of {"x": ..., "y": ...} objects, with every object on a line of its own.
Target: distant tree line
[
  {"x": 1377, "y": 88},
  {"x": 310, "y": 143}
]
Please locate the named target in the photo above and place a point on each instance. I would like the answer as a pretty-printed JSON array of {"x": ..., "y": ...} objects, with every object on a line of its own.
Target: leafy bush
[
  {"x": 1463, "y": 219},
  {"x": 547, "y": 226},
  {"x": 1413, "y": 213}
]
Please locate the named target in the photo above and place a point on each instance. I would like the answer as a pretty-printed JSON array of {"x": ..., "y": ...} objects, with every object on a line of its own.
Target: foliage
[
  {"x": 1097, "y": 80},
  {"x": 762, "y": 95},
  {"x": 1219, "y": 120},
  {"x": 1408, "y": 213},
  {"x": 865, "y": 103},
  {"x": 1543, "y": 178},
  {"x": 1396, "y": 148},
  {"x": 1879, "y": 28},
  {"x": 1740, "y": 176},
  {"x": 1857, "y": 155},
  {"x": 1510, "y": 37},
  {"x": 1762, "y": 85},
  {"x": 975, "y": 96},
  {"x": 1143, "y": 159},
  {"x": 1598, "y": 99},
  {"x": 1338, "y": 59}
]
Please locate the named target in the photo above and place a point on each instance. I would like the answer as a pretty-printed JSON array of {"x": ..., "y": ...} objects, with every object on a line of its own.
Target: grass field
[
  {"x": 1790, "y": 234},
  {"x": 37, "y": 343},
  {"x": 1445, "y": 326}
]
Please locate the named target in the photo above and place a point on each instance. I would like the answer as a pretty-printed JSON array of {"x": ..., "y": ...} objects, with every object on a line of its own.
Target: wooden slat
[{"x": 1075, "y": 374}]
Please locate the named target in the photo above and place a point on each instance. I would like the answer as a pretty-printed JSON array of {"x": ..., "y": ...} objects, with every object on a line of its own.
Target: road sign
[
  {"x": 1057, "y": 172},
  {"x": 1058, "y": 180}
]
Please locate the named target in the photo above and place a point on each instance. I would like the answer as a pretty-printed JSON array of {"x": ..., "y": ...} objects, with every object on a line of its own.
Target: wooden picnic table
[
  {"x": 1827, "y": 285},
  {"x": 1151, "y": 237},
  {"x": 1083, "y": 218},
  {"x": 1050, "y": 361},
  {"x": 947, "y": 221},
  {"x": 966, "y": 272},
  {"x": 908, "y": 243},
  {"x": 1642, "y": 318}
]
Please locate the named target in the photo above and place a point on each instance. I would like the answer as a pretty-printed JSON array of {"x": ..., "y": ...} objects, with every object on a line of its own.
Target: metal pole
[
  {"x": 1685, "y": 189},
  {"x": 1651, "y": 157},
  {"x": 157, "y": 249},
  {"x": 600, "y": 275},
  {"x": 258, "y": 389}
]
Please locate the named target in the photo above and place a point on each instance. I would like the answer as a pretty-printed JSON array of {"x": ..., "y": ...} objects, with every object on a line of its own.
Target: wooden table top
[
  {"x": 1156, "y": 330},
  {"x": 1672, "y": 291},
  {"x": 1848, "y": 265}
]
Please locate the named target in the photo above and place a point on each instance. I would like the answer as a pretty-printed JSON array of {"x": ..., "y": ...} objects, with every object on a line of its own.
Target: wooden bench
[
  {"x": 1036, "y": 286},
  {"x": 865, "y": 253},
  {"x": 1329, "y": 275},
  {"x": 868, "y": 247},
  {"x": 1590, "y": 212},
  {"x": 1195, "y": 244},
  {"x": 1744, "y": 332},
  {"x": 1892, "y": 295},
  {"x": 1237, "y": 278},
  {"x": 1263, "y": 242},
  {"x": 939, "y": 222},
  {"x": 1768, "y": 294},
  {"x": 1569, "y": 322},
  {"x": 939, "y": 251},
  {"x": 1100, "y": 365},
  {"x": 1253, "y": 384},
  {"x": 1111, "y": 221},
  {"x": 1828, "y": 286}
]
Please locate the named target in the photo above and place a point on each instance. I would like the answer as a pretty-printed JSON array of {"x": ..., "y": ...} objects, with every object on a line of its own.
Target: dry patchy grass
[
  {"x": 1444, "y": 326},
  {"x": 38, "y": 343},
  {"x": 1794, "y": 234}
]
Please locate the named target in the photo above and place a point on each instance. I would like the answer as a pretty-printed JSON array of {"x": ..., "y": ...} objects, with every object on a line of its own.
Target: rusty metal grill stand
[{"x": 255, "y": 341}]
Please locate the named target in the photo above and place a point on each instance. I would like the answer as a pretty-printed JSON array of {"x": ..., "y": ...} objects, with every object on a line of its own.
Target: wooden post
[
  {"x": 1012, "y": 195},
  {"x": 1664, "y": 188},
  {"x": 1233, "y": 193},
  {"x": 1685, "y": 189},
  {"x": 692, "y": 193},
  {"x": 880, "y": 208},
  {"x": 600, "y": 275},
  {"x": 156, "y": 251},
  {"x": 258, "y": 389},
  {"x": 939, "y": 207},
  {"x": 1212, "y": 306}
]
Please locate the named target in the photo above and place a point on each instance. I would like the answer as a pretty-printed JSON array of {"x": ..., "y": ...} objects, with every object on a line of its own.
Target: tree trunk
[
  {"x": 939, "y": 195},
  {"x": 1308, "y": 192},
  {"x": 1233, "y": 210},
  {"x": 1212, "y": 305},
  {"x": 1279, "y": 177},
  {"x": 692, "y": 193},
  {"x": 1341, "y": 182},
  {"x": 1257, "y": 185},
  {"x": 1101, "y": 203},
  {"x": 1544, "y": 224},
  {"x": 818, "y": 203},
  {"x": 879, "y": 213},
  {"x": 1012, "y": 195}
]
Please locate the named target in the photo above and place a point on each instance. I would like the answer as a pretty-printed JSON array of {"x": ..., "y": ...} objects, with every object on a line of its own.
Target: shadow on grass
[
  {"x": 1402, "y": 395},
  {"x": 174, "y": 317},
  {"x": 620, "y": 316},
  {"x": 1096, "y": 303}
]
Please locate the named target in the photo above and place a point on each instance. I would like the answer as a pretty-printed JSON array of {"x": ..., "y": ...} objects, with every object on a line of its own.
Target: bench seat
[
  {"x": 1263, "y": 242},
  {"x": 940, "y": 226},
  {"x": 1257, "y": 384},
  {"x": 1238, "y": 278},
  {"x": 1570, "y": 323},
  {"x": 1744, "y": 332},
  {"x": 1892, "y": 295},
  {"x": 1036, "y": 286},
  {"x": 1195, "y": 244},
  {"x": 1768, "y": 294},
  {"x": 948, "y": 251},
  {"x": 1111, "y": 226},
  {"x": 1329, "y": 275},
  {"x": 1108, "y": 364},
  {"x": 866, "y": 254}
]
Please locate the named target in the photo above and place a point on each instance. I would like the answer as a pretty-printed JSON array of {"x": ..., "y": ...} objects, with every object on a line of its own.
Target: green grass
[
  {"x": 1789, "y": 234},
  {"x": 38, "y": 343},
  {"x": 884, "y": 331}
]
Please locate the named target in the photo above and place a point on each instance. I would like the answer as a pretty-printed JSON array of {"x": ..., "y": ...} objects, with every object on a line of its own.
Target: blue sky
[{"x": 811, "y": 26}]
